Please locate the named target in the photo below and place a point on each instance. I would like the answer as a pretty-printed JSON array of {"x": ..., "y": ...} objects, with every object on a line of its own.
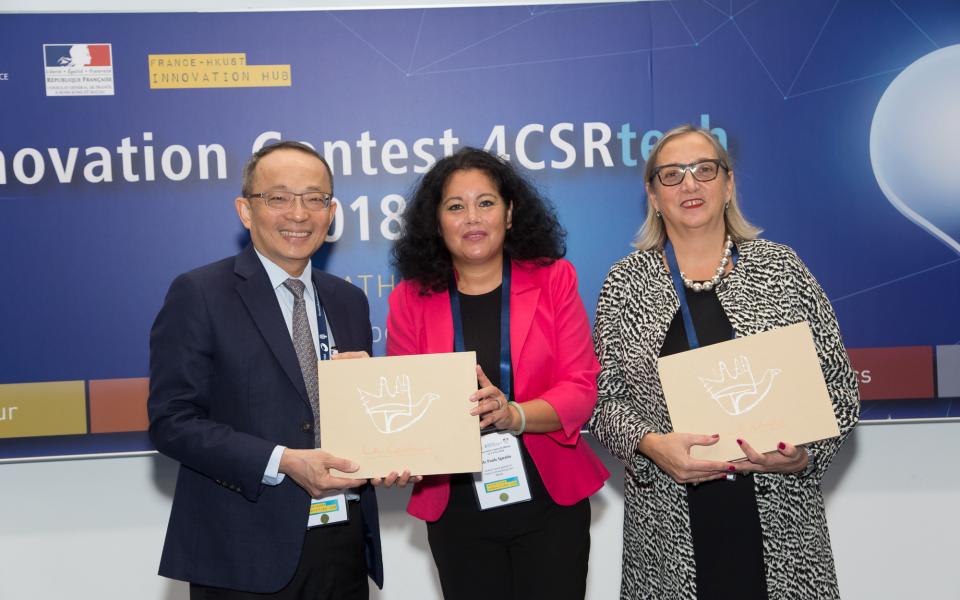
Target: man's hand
[
  {"x": 311, "y": 470},
  {"x": 395, "y": 479},
  {"x": 349, "y": 355}
]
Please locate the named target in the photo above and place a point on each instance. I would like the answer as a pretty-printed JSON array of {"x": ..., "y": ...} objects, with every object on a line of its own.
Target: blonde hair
[{"x": 652, "y": 233}]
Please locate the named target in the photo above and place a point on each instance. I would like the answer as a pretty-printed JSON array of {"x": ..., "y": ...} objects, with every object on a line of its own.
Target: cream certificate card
[
  {"x": 764, "y": 388},
  {"x": 401, "y": 412}
]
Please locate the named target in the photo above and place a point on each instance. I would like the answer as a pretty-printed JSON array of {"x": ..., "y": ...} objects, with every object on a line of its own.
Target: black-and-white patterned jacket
[{"x": 770, "y": 287}]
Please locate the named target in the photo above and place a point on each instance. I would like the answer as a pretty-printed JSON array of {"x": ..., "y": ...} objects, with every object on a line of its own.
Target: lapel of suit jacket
[
  {"x": 261, "y": 300},
  {"x": 438, "y": 323},
  {"x": 524, "y": 295}
]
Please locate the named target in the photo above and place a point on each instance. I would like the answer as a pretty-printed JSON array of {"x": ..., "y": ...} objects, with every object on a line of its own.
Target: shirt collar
[{"x": 277, "y": 275}]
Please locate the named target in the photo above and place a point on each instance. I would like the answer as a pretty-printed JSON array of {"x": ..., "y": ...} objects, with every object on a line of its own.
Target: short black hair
[
  {"x": 250, "y": 168},
  {"x": 420, "y": 253}
]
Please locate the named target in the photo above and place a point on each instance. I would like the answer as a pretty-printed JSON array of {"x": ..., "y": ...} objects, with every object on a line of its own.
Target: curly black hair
[{"x": 420, "y": 254}]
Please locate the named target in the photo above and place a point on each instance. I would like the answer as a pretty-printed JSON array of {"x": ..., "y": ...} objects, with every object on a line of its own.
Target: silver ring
[{"x": 499, "y": 403}]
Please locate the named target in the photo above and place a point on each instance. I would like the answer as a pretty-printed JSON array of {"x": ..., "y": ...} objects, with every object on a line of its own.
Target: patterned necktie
[{"x": 306, "y": 352}]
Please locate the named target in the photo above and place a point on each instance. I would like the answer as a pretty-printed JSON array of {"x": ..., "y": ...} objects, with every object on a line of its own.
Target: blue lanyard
[
  {"x": 323, "y": 330},
  {"x": 458, "y": 346},
  {"x": 692, "y": 339}
]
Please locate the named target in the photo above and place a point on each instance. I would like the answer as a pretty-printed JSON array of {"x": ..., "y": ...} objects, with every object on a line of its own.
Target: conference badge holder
[
  {"x": 327, "y": 510},
  {"x": 503, "y": 480}
]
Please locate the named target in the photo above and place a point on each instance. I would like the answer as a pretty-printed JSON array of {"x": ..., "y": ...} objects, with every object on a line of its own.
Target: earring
[
  {"x": 659, "y": 215},
  {"x": 726, "y": 205}
]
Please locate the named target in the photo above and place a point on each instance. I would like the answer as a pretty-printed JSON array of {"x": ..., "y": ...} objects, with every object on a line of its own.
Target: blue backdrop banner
[{"x": 122, "y": 138}]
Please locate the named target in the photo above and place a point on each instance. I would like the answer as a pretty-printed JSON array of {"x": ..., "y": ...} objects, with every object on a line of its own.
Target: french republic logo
[{"x": 78, "y": 69}]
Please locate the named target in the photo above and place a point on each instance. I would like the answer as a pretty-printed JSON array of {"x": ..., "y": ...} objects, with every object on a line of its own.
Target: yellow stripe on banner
[
  {"x": 226, "y": 70},
  {"x": 38, "y": 409}
]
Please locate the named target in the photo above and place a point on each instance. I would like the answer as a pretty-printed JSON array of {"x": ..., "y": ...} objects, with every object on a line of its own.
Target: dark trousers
[
  {"x": 727, "y": 540},
  {"x": 535, "y": 549},
  {"x": 332, "y": 567}
]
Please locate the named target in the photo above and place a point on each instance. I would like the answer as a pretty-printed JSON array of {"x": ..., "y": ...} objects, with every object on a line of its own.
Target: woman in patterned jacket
[{"x": 690, "y": 530}]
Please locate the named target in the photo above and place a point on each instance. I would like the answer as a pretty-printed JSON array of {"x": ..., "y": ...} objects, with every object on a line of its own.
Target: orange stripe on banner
[{"x": 118, "y": 405}]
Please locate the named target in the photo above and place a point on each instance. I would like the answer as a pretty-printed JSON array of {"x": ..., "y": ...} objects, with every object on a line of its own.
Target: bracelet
[
  {"x": 523, "y": 418},
  {"x": 811, "y": 465}
]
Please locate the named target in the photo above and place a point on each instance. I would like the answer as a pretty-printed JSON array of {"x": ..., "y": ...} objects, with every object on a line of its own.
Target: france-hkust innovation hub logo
[{"x": 78, "y": 69}]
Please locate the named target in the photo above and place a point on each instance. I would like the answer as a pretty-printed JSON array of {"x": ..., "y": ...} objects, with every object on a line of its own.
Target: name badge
[
  {"x": 503, "y": 480},
  {"x": 327, "y": 510}
]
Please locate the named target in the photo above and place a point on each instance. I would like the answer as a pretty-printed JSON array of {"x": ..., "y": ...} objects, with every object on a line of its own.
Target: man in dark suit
[{"x": 233, "y": 399}]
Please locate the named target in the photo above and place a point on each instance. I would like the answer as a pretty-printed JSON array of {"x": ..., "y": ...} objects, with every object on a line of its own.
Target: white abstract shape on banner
[
  {"x": 738, "y": 392},
  {"x": 915, "y": 144},
  {"x": 387, "y": 405}
]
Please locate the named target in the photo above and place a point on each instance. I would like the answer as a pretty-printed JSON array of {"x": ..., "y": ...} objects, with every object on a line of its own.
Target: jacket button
[{"x": 306, "y": 426}]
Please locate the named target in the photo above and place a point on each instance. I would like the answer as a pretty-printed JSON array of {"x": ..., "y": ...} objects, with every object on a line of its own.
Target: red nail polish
[
  {"x": 731, "y": 468},
  {"x": 716, "y": 435},
  {"x": 740, "y": 442},
  {"x": 782, "y": 446}
]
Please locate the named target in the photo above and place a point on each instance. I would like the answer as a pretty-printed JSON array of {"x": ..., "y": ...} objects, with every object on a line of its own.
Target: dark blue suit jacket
[{"x": 225, "y": 389}]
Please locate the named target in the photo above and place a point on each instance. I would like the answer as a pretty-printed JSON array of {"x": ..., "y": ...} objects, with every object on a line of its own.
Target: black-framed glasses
[
  {"x": 284, "y": 200},
  {"x": 703, "y": 170}
]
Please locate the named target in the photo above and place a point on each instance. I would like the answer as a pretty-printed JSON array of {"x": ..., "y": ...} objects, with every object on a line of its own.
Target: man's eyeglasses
[
  {"x": 283, "y": 200},
  {"x": 704, "y": 170}
]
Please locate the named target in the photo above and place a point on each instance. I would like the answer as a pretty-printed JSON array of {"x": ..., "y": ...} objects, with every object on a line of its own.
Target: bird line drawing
[
  {"x": 388, "y": 405},
  {"x": 738, "y": 392}
]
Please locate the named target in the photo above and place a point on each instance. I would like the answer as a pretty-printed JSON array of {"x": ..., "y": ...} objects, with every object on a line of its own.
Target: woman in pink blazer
[{"x": 481, "y": 260}]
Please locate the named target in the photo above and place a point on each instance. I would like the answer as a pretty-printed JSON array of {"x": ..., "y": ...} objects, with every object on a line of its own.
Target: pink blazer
[{"x": 553, "y": 360}]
